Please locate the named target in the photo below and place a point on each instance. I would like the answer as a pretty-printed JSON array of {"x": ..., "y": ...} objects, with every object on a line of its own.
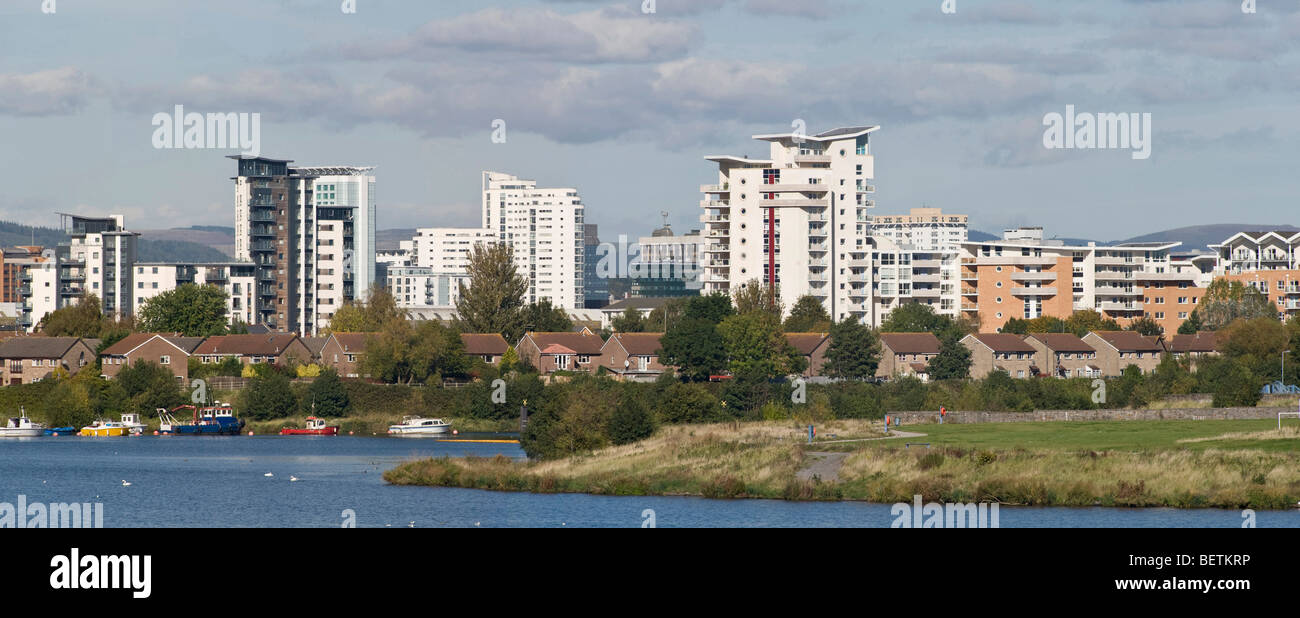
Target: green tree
[
  {"x": 494, "y": 300},
  {"x": 149, "y": 386},
  {"x": 1083, "y": 322},
  {"x": 269, "y": 395},
  {"x": 808, "y": 316},
  {"x": 1231, "y": 382},
  {"x": 1147, "y": 327},
  {"x": 84, "y": 319},
  {"x": 696, "y": 348},
  {"x": 1227, "y": 301},
  {"x": 755, "y": 345},
  {"x": 509, "y": 360},
  {"x": 543, "y": 317},
  {"x": 1191, "y": 325},
  {"x": 854, "y": 351},
  {"x": 424, "y": 352},
  {"x": 629, "y": 321},
  {"x": 1257, "y": 344},
  {"x": 631, "y": 421},
  {"x": 189, "y": 309},
  {"x": 665, "y": 315},
  {"x": 712, "y": 308},
  {"x": 326, "y": 396},
  {"x": 757, "y": 296},
  {"x": 953, "y": 361},
  {"x": 378, "y": 312}
]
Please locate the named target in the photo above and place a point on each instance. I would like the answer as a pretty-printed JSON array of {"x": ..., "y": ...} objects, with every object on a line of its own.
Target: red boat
[{"x": 315, "y": 427}]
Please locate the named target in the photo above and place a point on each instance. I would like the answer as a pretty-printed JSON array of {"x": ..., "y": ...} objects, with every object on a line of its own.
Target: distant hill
[
  {"x": 386, "y": 240},
  {"x": 151, "y": 248},
  {"x": 1199, "y": 237},
  {"x": 215, "y": 237}
]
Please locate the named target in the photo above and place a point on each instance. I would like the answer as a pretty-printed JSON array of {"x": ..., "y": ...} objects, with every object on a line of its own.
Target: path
[{"x": 826, "y": 466}]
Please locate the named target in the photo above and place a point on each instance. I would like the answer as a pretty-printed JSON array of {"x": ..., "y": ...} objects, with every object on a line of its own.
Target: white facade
[
  {"x": 904, "y": 274},
  {"x": 545, "y": 228},
  {"x": 447, "y": 250},
  {"x": 811, "y": 197},
  {"x": 235, "y": 278},
  {"x": 416, "y": 287},
  {"x": 924, "y": 229}
]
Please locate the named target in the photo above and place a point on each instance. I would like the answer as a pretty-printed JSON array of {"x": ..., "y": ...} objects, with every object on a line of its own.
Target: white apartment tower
[
  {"x": 447, "y": 249},
  {"x": 545, "y": 228},
  {"x": 797, "y": 219},
  {"x": 916, "y": 259}
]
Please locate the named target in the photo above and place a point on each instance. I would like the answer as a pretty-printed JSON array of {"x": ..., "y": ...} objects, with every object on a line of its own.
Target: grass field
[{"x": 1187, "y": 464}]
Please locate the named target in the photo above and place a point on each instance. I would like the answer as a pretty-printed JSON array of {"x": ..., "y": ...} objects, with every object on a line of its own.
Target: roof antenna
[{"x": 664, "y": 213}]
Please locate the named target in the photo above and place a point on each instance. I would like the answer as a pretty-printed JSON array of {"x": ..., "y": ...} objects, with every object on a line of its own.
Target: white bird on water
[
  {"x": 125, "y": 484},
  {"x": 268, "y": 475},
  {"x": 293, "y": 479}
]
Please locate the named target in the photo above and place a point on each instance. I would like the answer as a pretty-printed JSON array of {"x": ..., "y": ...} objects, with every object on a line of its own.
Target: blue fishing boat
[
  {"x": 215, "y": 420},
  {"x": 61, "y": 431}
]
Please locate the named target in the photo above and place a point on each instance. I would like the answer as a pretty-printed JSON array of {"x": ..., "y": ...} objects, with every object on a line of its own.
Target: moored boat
[
  {"x": 417, "y": 426},
  {"x": 315, "y": 427},
  {"x": 133, "y": 423},
  {"x": 22, "y": 427},
  {"x": 104, "y": 429},
  {"x": 215, "y": 420}
]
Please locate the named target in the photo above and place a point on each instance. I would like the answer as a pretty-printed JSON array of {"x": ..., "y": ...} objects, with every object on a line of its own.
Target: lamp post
[{"x": 1284, "y": 353}]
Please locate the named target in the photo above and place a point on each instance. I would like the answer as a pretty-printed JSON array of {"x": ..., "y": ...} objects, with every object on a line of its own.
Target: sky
[{"x": 624, "y": 103}]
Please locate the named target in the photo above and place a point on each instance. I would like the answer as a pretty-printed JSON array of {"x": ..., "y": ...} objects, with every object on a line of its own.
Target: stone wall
[{"x": 1199, "y": 414}]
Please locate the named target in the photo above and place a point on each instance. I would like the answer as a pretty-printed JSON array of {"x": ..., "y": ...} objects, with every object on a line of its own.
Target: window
[
  {"x": 584, "y": 359},
  {"x": 164, "y": 360}
]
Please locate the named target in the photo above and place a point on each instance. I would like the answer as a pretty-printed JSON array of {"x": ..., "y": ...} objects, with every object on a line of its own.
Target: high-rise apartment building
[
  {"x": 309, "y": 233},
  {"x": 447, "y": 249},
  {"x": 797, "y": 220},
  {"x": 237, "y": 279},
  {"x": 545, "y": 227},
  {"x": 97, "y": 260},
  {"x": 916, "y": 259},
  {"x": 923, "y": 229}
]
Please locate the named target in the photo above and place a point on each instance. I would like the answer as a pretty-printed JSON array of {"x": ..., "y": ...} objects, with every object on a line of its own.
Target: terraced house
[
  {"x": 812, "y": 347},
  {"x": 24, "y": 360},
  {"x": 274, "y": 348},
  {"x": 1064, "y": 355},
  {"x": 634, "y": 356},
  {"x": 906, "y": 354},
  {"x": 1002, "y": 352},
  {"x": 1116, "y": 350}
]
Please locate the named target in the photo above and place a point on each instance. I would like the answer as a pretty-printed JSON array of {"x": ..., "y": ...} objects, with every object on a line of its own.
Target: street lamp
[{"x": 1284, "y": 353}]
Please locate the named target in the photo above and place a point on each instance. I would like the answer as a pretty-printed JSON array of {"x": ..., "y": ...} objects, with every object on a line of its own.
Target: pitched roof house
[
  {"x": 30, "y": 359},
  {"x": 1001, "y": 352},
  {"x": 1204, "y": 343},
  {"x": 172, "y": 352},
  {"x": 906, "y": 354},
  {"x": 490, "y": 347},
  {"x": 633, "y": 356},
  {"x": 1065, "y": 356},
  {"x": 275, "y": 348},
  {"x": 551, "y": 352},
  {"x": 343, "y": 351},
  {"x": 812, "y": 346},
  {"x": 1116, "y": 350}
]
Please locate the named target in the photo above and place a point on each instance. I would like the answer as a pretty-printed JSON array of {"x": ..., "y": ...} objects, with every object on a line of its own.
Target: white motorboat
[
  {"x": 134, "y": 424},
  {"x": 22, "y": 427},
  {"x": 417, "y": 426}
]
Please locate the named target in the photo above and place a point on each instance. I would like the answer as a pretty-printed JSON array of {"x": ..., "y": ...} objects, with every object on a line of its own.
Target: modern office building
[
  {"x": 595, "y": 285},
  {"x": 797, "y": 220},
  {"x": 310, "y": 234},
  {"x": 546, "y": 229},
  {"x": 668, "y": 265}
]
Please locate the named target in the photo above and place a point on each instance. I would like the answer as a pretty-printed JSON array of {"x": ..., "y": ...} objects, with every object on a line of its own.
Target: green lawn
[{"x": 1101, "y": 435}]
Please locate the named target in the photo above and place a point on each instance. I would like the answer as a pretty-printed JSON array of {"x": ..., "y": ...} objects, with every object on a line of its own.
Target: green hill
[{"x": 16, "y": 234}]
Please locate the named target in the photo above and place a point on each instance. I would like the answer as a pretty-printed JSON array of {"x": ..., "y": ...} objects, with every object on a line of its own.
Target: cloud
[
  {"x": 54, "y": 92},
  {"x": 593, "y": 37}
]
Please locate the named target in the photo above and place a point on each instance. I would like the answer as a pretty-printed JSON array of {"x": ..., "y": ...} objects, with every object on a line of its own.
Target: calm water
[{"x": 220, "y": 482}]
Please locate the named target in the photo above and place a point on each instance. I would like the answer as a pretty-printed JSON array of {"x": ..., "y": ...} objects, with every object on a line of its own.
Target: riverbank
[
  {"x": 1183, "y": 464},
  {"x": 378, "y": 424}
]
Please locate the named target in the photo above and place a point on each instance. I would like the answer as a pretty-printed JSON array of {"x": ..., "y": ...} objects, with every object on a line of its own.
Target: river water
[{"x": 221, "y": 482}]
